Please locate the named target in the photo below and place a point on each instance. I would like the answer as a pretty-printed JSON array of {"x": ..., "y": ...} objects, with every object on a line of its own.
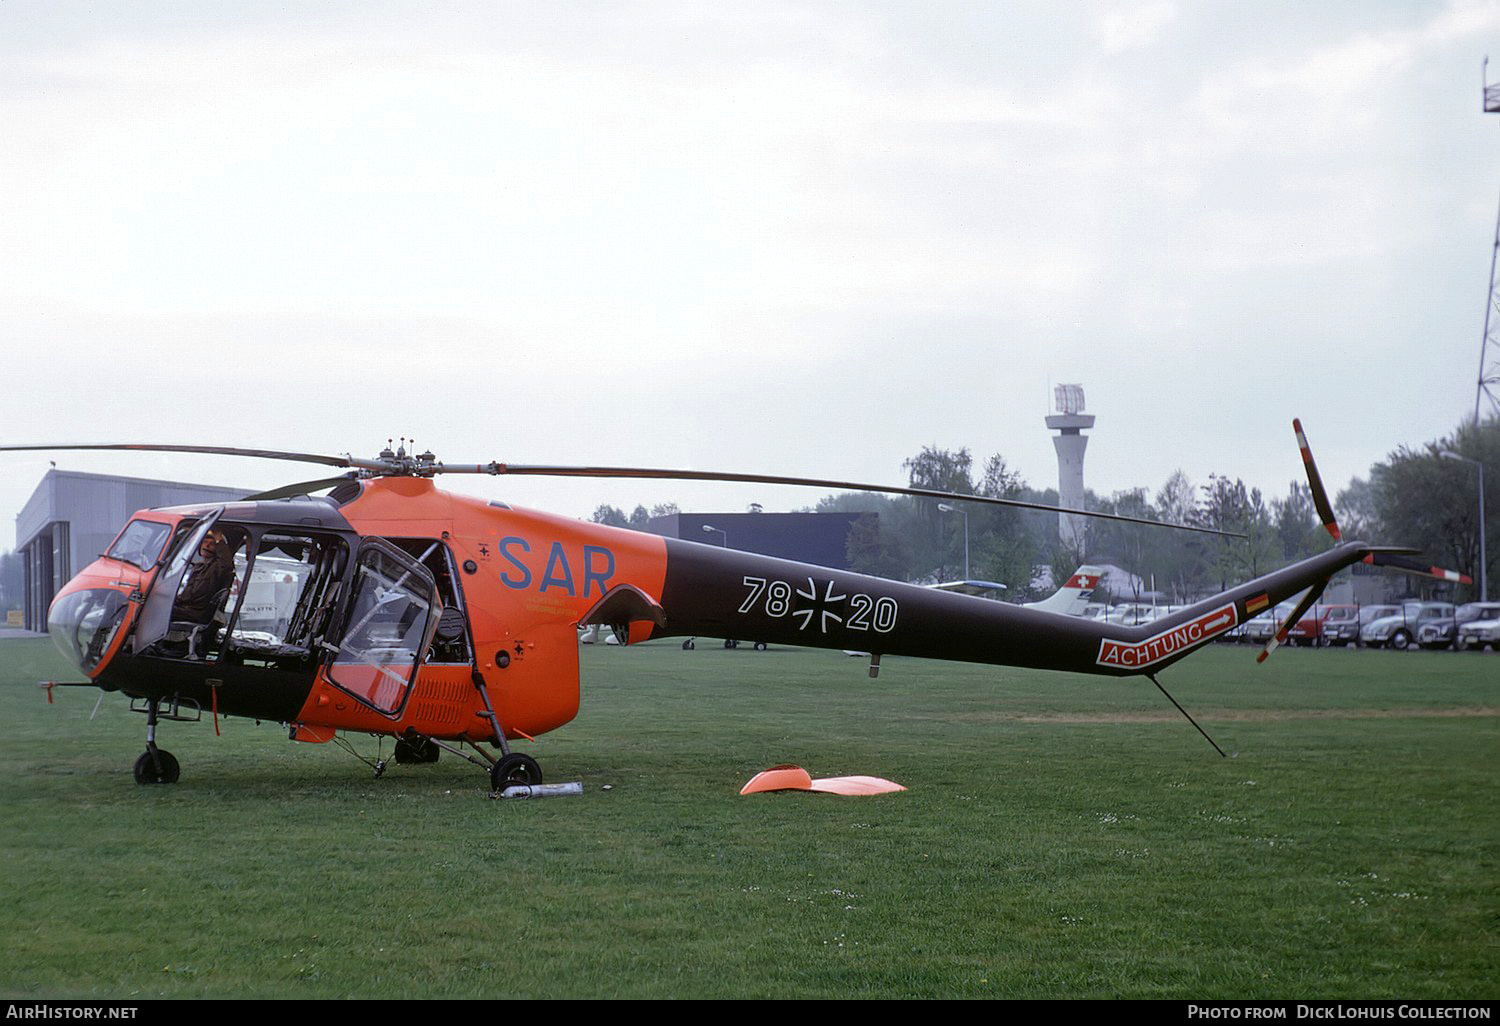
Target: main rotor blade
[
  {"x": 210, "y": 450},
  {"x": 301, "y": 488},
  {"x": 544, "y": 470}
]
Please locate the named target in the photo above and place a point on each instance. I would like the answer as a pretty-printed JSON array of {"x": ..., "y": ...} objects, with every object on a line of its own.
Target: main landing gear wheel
[
  {"x": 157, "y": 768},
  {"x": 416, "y": 750},
  {"x": 514, "y": 768}
]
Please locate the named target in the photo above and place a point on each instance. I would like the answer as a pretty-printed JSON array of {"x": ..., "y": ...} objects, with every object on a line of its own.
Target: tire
[
  {"x": 1401, "y": 641},
  {"x": 146, "y": 771},
  {"x": 419, "y": 750},
  {"x": 514, "y": 768}
]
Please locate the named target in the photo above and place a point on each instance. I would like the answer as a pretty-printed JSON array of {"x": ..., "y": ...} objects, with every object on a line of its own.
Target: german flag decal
[{"x": 1256, "y": 603}]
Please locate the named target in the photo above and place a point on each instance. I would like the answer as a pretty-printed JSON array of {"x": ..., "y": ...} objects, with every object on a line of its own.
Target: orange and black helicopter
[{"x": 390, "y": 607}]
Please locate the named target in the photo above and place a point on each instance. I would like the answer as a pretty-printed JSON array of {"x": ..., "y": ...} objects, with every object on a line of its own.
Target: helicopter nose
[{"x": 83, "y": 624}]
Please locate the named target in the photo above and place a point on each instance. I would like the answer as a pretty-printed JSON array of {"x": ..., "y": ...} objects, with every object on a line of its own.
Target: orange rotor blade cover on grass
[{"x": 795, "y": 778}]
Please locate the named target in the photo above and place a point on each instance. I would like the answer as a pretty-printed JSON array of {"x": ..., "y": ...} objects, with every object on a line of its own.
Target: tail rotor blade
[
  {"x": 1279, "y": 638},
  {"x": 1315, "y": 484},
  {"x": 1404, "y": 563}
]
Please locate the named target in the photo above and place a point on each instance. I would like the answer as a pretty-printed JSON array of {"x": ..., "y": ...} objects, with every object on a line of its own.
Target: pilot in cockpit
[{"x": 208, "y": 580}]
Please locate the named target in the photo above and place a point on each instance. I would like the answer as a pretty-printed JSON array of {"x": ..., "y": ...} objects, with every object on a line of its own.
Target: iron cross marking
[{"x": 815, "y": 605}]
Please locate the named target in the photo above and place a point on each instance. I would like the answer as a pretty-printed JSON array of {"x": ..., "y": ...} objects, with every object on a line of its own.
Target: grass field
[{"x": 1062, "y": 837}]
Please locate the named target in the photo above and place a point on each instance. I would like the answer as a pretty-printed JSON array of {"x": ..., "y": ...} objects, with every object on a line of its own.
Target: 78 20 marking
[{"x": 861, "y": 612}]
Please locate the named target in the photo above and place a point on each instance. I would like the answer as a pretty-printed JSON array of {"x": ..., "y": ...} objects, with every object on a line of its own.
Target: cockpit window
[
  {"x": 83, "y": 624},
  {"x": 140, "y": 543}
]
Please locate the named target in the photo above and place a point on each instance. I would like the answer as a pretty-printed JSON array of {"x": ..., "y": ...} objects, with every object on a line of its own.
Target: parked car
[
  {"x": 1258, "y": 629},
  {"x": 1399, "y": 630},
  {"x": 1444, "y": 633},
  {"x": 1369, "y": 614},
  {"x": 1479, "y": 634},
  {"x": 1132, "y": 614},
  {"x": 1328, "y": 625}
]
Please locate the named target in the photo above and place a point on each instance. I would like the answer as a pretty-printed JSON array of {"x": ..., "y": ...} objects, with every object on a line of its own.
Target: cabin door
[{"x": 393, "y": 610}]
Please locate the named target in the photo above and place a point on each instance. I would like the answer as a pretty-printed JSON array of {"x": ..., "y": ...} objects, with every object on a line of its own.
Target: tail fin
[{"x": 1073, "y": 597}]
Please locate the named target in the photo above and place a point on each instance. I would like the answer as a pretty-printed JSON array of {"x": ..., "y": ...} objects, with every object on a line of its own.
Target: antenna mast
[{"x": 1489, "y": 346}]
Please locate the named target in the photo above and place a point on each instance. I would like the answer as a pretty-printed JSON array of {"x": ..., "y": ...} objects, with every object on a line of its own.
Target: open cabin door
[
  {"x": 156, "y": 614},
  {"x": 392, "y": 613}
]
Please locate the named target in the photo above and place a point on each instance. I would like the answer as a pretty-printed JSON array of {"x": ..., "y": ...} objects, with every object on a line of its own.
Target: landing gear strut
[
  {"x": 511, "y": 767},
  {"x": 156, "y": 765},
  {"x": 415, "y": 749}
]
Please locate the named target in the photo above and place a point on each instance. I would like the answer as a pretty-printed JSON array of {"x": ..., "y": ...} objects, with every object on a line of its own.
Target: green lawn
[{"x": 1062, "y": 836}]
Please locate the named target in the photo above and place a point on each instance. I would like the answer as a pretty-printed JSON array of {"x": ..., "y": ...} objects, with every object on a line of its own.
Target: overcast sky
[{"x": 798, "y": 238}]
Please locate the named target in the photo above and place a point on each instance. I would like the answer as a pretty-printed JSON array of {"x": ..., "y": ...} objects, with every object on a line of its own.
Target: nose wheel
[{"x": 157, "y": 766}]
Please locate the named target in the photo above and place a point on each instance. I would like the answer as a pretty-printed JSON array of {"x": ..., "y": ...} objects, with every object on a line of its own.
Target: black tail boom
[{"x": 715, "y": 592}]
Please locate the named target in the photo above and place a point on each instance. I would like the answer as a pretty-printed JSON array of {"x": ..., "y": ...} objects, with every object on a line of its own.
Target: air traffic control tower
[{"x": 1070, "y": 441}]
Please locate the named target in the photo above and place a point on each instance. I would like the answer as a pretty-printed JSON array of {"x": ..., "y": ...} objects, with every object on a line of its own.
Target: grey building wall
[
  {"x": 817, "y": 538},
  {"x": 72, "y": 517}
]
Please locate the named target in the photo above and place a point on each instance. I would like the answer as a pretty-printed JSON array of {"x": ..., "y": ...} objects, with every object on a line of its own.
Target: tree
[
  {"x": 610, "y": 516},
  {"x": 1177, "y": 499},
  {"x": 1230, "y": 506},
  {"x": 12, "y": 581},
  {"x": 1298, "y": 528},
  {"x": 941, "y": 470},
  {"x": 872, "y": 549},
  {"x": 1357, "y": 511},
  {"x": 1002, "y": 548},
  {"x": 1131, "y": 546},
  {"x": 934, "y": 539},
  {"x": 1429, "y": 501}
]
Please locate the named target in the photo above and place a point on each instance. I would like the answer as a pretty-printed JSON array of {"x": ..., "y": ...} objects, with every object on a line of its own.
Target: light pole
[
  {"x": 949, "y": 509},
  {"x": 1484, "y": 587},
  {"x": 724, "y": 534}
]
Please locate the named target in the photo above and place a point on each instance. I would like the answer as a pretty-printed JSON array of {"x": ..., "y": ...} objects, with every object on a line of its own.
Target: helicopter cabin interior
[{"x": 259, "y": 601}]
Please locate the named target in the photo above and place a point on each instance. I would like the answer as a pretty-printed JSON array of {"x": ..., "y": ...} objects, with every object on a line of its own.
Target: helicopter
[{"x": 393, "y": 608}]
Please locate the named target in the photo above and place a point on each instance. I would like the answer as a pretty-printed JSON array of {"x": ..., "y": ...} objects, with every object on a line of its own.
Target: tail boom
[{"x": 713, "y": 592}]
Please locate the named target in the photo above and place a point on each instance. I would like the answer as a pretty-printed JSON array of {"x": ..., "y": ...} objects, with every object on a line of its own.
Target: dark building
[
  {"x": 817, "y": 538},
  {"x": 72, "y": 517}
]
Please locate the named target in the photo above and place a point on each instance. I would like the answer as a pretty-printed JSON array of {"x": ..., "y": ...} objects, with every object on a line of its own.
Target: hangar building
[
  {"x": 817, "y": 538},
  {"x": 73, "y": 516}
]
